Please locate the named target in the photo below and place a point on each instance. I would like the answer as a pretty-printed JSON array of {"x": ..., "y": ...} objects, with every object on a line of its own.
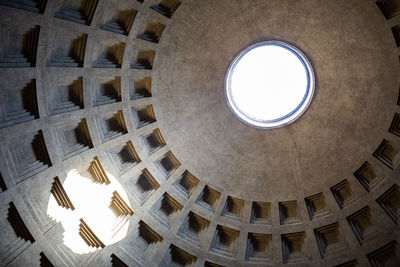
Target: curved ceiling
[
  {"x": 110, "y": 92},
  {"x": 354, "y": 57}
]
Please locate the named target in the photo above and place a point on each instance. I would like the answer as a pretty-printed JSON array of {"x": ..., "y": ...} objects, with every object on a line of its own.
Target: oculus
[{"x": 269, "y": 84}]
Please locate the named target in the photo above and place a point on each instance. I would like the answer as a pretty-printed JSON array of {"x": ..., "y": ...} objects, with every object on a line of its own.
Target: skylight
[{"x": 269, "y": 84}]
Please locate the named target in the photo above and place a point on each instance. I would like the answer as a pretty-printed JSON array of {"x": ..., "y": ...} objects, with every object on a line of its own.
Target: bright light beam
[{"x": 92, "y": 203}]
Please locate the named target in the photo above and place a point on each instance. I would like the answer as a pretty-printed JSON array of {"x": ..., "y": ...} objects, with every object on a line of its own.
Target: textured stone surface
[
  {"x": 354, "y": 58},
  {"x": 228, "y": 178}
]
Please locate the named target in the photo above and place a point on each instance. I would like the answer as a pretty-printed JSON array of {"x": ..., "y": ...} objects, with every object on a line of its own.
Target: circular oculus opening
[{"x": 269, "y": 84}]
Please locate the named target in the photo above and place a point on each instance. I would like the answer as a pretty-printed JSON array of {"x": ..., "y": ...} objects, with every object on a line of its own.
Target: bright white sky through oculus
[{"x": 268, "y": 82}]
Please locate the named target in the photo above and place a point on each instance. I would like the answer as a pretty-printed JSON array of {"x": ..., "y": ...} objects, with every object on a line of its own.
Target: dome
[{"x": 120, "y": 147}]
